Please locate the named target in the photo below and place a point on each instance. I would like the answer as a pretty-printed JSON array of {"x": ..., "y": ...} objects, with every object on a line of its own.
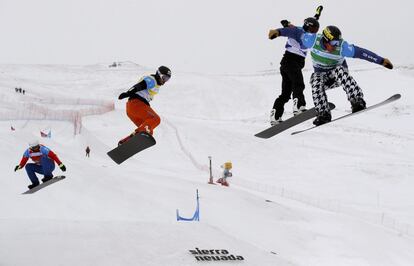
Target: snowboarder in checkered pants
[
  {"x": 339, "y": 76},
  {"x": 328, "y": 51}
]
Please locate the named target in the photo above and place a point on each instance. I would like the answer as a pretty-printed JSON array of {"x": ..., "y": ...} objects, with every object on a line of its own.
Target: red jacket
[{"x": 37, "y": 155}]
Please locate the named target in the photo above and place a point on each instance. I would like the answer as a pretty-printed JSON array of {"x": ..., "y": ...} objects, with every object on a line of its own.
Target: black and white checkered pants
[{"x": 322, "y": 81}]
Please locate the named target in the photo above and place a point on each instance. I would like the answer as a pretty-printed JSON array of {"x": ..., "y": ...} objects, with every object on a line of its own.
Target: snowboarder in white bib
[
  {"x": 139, "y": 97},
  {"x": 291, "y": 66},
  {"x": 328, "y": 51}
]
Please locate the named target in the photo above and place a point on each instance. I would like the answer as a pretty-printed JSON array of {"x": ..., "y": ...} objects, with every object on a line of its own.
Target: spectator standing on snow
[{"x": 88, "y": 150}]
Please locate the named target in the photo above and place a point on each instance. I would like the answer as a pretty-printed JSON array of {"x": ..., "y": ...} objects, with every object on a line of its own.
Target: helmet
[
  {"x": 33, "y": 143},
  {"x": 311, "y": 24},
  {"x": 331, "y": 33},
  {"x": 164, "y": 70},
  {"x": 331, "y": 38},
  {"x": 164, "y": 73}
]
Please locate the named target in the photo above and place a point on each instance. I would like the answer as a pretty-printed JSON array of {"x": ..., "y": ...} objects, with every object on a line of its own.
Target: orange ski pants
[{"x": 142, "y": 115}]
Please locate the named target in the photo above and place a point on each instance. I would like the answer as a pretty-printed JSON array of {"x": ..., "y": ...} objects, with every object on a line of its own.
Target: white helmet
[{"x": 33, "y": 143}]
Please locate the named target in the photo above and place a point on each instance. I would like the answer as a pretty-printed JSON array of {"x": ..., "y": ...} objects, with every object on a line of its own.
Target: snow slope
[{"x": 337, "y": 195}]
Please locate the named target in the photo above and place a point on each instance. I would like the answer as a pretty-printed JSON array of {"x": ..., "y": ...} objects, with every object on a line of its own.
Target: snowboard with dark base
[
  {"x": 288, "y": 123},
  {"x": 45, "y": 184},
  {"x": 137, "y": 143},
  {"x": 389, "y": 100}
]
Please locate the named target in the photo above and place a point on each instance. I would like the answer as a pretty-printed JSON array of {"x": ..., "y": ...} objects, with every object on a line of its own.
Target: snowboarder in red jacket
[{"x": 44, "y": 163}]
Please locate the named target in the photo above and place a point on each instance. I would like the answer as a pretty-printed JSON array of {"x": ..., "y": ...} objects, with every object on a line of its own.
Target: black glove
[
  {"x": 285, "y": 23},
  {"x": 17, "y": 167},
  {"x": 123, "y": 95},
  {"x": 387, "y": 63},
  {"x": 273, "y": 34},
  {"x": 318, "y": 12},
  {"x": 62, "y": 167}
]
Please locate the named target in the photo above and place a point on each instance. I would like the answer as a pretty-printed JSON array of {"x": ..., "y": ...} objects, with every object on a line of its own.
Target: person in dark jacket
[{"x": 292, "y": 64}]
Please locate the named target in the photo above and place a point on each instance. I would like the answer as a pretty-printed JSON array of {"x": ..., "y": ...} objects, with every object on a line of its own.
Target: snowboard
[
  {"x": 137, "y": 143},
  {"x": 389, "y": 100},
  {"x": 293, "y": 121},
  {"x": 45, "y": 184}
]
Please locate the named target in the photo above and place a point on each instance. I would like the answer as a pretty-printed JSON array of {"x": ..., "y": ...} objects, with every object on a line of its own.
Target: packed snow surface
[{"x": 341, "y": 194}]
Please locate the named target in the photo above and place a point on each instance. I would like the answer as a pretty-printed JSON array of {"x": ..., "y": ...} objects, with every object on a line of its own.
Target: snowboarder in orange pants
[
  {"x": 138, "y": 108},
  {"x": 143, "y": 116}
]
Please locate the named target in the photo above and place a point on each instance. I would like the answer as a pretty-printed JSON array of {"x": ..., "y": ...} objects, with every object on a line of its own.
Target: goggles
[
  {"x": 330, "y": 45},
  {"x": 35, "y": 148},
  {"x": 163, "y": 77},
  {"x": 334, "y": 42}
]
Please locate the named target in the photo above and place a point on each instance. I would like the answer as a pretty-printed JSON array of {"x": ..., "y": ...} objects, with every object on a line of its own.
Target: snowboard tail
[
  {"x": 291, "y": 122},
  {"x": 137, "y": 143}
]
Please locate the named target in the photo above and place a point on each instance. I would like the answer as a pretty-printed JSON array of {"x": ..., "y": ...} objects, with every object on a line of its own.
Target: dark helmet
[
  {"x": 163, "y": 70},
  {"x": 331, "y": 33},
  {"x": 164, "y": 73},
  {"x": 311, "y": 24}
]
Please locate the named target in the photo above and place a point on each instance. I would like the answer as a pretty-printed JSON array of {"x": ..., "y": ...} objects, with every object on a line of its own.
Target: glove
[
  {"x": 318, "y": 12},
  {"x": 273, "y": 34},
  {"x": 123, "y": 95},
  {"x": 17, "y": 167},
  {"x": 285, "y": 23},
  {"x": 62, "y": 167},
  {"x": 387, "y": 63}
]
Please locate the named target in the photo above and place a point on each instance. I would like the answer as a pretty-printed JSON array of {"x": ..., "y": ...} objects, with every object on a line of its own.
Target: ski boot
[
  {"x": 47, "y": 178},
  {"x": 322, "y": 118},
  {"x": 33, "y": 185},
  {"x": 358, "y": 105},
  {"x": 297, "y": 109},
  {"x": 273, "y": 119},
  {"x": 147, "y": 130},
  {"x": 122, "y": 141}
]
